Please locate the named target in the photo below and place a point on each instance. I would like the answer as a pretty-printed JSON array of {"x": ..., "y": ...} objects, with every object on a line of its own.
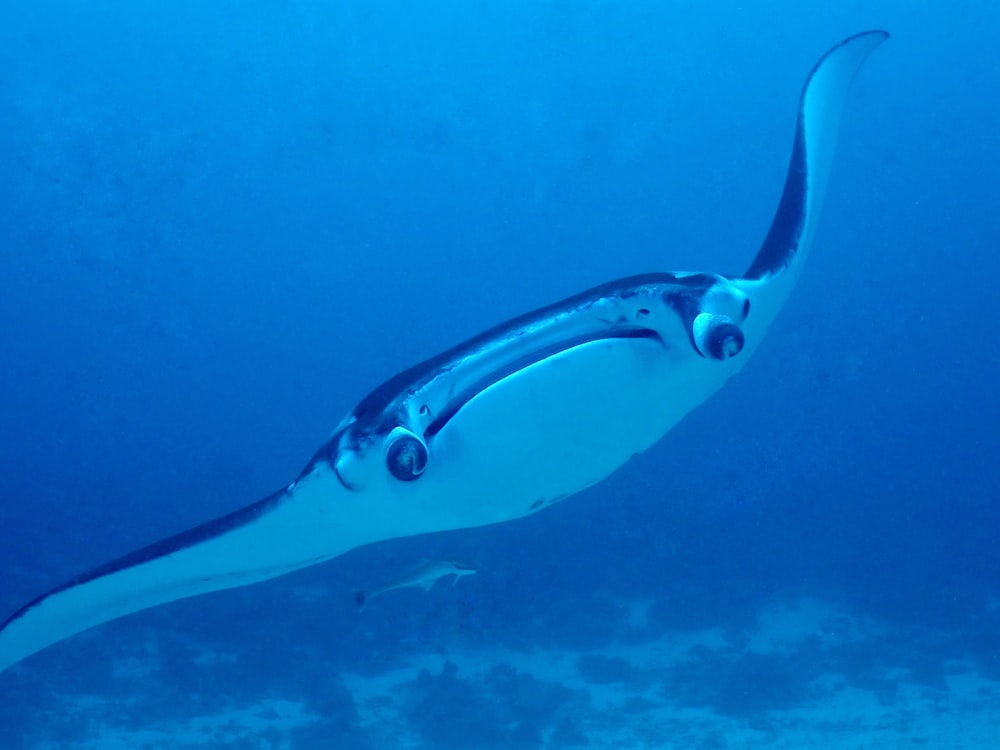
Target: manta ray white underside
[{"x": 501, "y": 426}]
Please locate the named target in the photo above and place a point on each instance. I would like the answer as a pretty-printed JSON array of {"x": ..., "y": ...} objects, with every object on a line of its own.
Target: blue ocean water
[{"x": 225, "y": 223}]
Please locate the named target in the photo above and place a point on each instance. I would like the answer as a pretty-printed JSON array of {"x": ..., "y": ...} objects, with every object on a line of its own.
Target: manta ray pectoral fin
[
  {"x": 770, "y": 278},
  {"x": 286, "y": 531}
]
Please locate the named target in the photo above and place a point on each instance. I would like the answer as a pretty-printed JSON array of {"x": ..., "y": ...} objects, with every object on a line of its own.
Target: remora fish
[
  {"x": 520, "y": 417},
  {"x": 423, "y": 576}
]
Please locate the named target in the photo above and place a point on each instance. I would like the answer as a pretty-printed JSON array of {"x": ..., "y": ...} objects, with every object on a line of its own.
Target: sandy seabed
[{"x": 777, "y": 684}]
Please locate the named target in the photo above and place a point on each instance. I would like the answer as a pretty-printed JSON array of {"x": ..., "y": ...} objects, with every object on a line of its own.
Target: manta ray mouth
[{"x": 463, "y": 397}]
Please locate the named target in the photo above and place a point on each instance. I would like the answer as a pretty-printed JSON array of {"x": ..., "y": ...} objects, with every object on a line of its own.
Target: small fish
[{"x": 423, "y": 576}]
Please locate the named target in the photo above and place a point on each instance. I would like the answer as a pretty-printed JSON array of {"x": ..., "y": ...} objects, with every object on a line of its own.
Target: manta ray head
[{"x": 413, "y": 428}]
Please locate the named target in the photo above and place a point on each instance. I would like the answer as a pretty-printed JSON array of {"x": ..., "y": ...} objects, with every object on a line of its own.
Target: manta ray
[{"x": 520, "y": 417}]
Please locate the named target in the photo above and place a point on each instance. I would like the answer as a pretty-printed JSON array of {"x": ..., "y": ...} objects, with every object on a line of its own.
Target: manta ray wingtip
[{"x": 820, "y": 110}]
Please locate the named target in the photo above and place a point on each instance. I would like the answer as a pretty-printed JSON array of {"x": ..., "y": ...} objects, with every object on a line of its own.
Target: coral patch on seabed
[{"x": 804, "y": 674}]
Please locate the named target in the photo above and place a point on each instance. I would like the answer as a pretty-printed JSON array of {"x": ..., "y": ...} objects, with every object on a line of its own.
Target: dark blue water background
[{"x": 224, "y": 223}]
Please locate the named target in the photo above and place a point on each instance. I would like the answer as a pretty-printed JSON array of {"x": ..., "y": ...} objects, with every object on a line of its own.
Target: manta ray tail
[{"x": 771, "y": 276}]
